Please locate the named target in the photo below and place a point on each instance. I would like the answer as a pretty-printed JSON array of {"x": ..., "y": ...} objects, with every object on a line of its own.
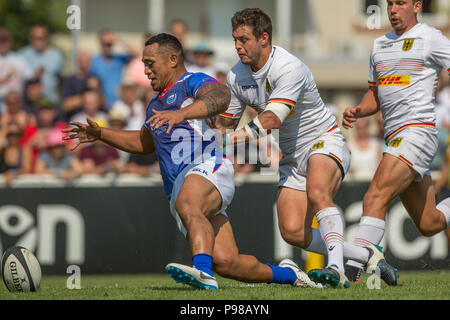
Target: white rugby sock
[
  {"x": 331, "y": 230},
  {"x": 444, "y": 207},
  {"x": 351, "y": 251},
  {"x": 370, "y": 231}
]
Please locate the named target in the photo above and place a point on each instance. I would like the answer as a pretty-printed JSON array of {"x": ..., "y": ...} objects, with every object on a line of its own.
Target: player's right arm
[
  {"x": 135, "y": 141},
  {"x": 222, "y": 123},
  {"x": 368, "y": 106}
]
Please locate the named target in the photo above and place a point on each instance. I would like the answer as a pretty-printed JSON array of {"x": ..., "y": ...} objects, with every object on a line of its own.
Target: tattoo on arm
[
  {"x": 226, "y": 123},
  {"x": 216, "y": 97}
]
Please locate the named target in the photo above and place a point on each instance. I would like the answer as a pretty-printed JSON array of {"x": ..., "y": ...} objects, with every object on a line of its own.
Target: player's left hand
[{"x": 159, "y": 118}]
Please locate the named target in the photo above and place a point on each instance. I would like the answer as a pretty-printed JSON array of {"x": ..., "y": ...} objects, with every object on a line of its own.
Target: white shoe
[
  {"x": 302, "y": 278},
  {"x": 191, "y": 276},
  {"x": 377, "y": 263}
]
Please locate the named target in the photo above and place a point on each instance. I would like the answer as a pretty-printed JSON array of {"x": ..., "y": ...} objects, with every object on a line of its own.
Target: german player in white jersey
[
  {"x": 405, "y": 65},
  {"x": 315, "y": 156}
]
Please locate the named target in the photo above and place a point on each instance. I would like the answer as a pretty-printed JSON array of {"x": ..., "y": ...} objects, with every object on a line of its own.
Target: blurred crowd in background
[{"x": 37, "y": 101}]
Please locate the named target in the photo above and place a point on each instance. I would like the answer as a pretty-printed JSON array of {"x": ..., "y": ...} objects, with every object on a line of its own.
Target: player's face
[
  {"x": 402, "y": 14},
  {"x": 157, "y": 68},
  {"x": 247, "y": 46}
]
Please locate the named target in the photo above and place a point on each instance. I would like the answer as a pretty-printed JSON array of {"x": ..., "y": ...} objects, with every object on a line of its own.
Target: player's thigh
[
  {"x": 294, "y": 217},
  {"x": 225, "y": 248},
  {"x": 324, "y": 177},
  {"x": 391, "y": 178},
  {"x": 419, "y": 201},
  {"x": 198, "y": 194}
]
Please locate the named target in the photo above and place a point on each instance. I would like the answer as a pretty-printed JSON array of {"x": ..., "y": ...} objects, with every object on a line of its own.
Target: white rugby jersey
[
  {"x": 406, "y": 71},
  {"x": 285, "y": 79}
]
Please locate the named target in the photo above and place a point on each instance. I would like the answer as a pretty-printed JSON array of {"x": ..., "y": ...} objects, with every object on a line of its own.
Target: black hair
[{"x": 168, "y": 42}]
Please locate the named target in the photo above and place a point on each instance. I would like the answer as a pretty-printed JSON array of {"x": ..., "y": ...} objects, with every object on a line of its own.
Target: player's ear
[
  {"x": 173, "y": 60},
  {"x": 417, "y": 6},
  {"x": 265, "y": 39}
]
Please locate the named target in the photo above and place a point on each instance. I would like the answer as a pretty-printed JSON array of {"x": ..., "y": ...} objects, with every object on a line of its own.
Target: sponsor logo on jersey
[
  {"x": 249, "y": 86},
  {"x": 387, "y": 46},
  {"x": 318, "y": 145},
  {"x": 407, "y": 44},
  {"x": 394, "y": 80},
  {"x": 268, "y": 87},
  {"x": 395, "y": 142},
  {"x": 200, "y": 170}
]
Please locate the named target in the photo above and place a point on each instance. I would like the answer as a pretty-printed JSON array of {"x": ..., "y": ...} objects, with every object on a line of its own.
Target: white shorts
[
  {"x": 294, "y": 169},
  {"x": 415, "y": 146},
  {"x": 220, "y": 175}
]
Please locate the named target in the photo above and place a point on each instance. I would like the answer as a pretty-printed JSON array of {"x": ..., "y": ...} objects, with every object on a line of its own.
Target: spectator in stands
[
  {"x": 46, "y": 62},
  {"x": 100, "y": 158},
  {"x": 14, "y": 70},
  {"x": 92, "y": 108},
  {"x": 34, "y": 96},
  {"x": 117, "y": 120},
  {"x": 222, "y": 69},
  {"x": 14, "y": 158},
  {"x": 179, "y": 29},
  {"x": 56, "y": 159},
  {"x": 109, "y": 67},
  {"x": 131, "y": 106},
  {"x": 202, "y": 54},
  {"x": 14, "y": 111},
  {"x": 142, "y": 165},
  {"x": 366, "y": 152},
  {"x": 74, "y": 85},
  {"x": 136, "y": 72},
  {"x": 35, "y": 135}
]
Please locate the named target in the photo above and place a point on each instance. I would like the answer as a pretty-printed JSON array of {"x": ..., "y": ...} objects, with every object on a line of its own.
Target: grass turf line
[{"x": 422, "y": 285}]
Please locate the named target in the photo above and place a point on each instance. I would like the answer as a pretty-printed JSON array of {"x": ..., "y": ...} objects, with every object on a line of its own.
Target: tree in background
[{"x": 19, "y": 15}]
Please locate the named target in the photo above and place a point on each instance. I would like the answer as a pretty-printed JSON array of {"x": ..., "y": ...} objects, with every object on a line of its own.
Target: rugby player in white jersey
[
  {"x": 315, "y": 156},
  {"x": 404, "y": 69}
]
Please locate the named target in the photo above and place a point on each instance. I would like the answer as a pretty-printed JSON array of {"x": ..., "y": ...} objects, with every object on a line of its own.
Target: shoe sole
[
  {"x": 185, "y": 278},
  {"x": 326, "y": 279}
]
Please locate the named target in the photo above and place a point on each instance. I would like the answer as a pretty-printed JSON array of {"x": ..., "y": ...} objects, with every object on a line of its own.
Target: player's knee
[
  {"x": 223, "y": 264},
  {"x": 432, "y": 225},
  {"x": 318, "y": 197}
]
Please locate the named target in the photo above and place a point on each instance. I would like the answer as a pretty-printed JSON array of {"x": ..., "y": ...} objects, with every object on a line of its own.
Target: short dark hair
[
  {"x": 255, "y": 18},
  {"x": 168, "y": 42}
]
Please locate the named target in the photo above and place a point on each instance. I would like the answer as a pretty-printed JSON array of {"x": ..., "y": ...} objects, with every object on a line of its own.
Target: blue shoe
[
  {"x": 191, "y": 276},
  {"x": 329, "y": 276},
  {"x": 376, "y": 262}
]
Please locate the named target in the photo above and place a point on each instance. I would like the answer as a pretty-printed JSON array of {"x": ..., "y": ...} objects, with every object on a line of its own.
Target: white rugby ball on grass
[{"x": 21, "y": 271}]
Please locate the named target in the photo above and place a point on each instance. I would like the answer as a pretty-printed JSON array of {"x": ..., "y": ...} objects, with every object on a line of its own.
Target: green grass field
[{"x": 412, "y": 285}]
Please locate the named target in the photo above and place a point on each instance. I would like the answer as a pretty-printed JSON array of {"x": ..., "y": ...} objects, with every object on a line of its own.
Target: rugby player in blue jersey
[{"x": 198, "y": 179}]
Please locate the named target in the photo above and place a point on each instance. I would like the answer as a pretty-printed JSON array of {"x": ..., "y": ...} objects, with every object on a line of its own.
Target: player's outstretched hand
[
  {"x": 83, "y": 132},
  {"x": 159, "y": 118},
  {"x": 350, "y": 116}
]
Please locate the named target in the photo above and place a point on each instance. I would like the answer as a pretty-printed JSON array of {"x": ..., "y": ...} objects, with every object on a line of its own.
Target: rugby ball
[{"x": 21, "y": 271}]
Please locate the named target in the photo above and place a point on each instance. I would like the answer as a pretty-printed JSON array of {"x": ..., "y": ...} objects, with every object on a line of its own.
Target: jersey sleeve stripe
[
  {"x": 285, "y": 101},
  {"x": 371, "y": 83},
  {"x": 226, "y": 115}
]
